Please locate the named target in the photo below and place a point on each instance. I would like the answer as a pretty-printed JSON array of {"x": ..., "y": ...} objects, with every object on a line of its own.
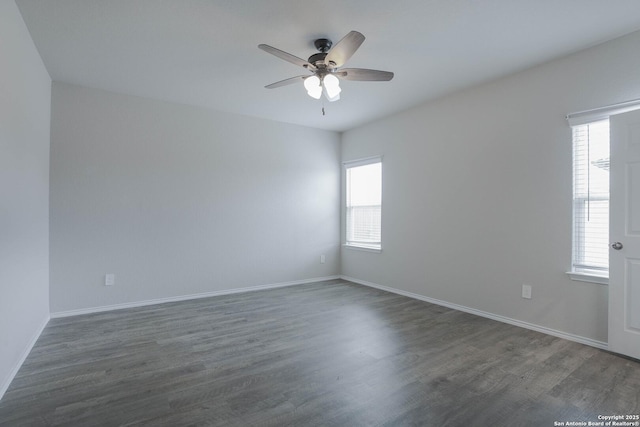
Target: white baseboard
[
  {"x": 4, "y": 386},
  {"x": 499, "y": 318},
  {"x": 186, "y": 297}
]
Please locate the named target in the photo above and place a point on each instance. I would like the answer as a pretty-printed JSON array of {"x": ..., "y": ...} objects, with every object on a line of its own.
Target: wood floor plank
[{"x": 323, "y": 354}]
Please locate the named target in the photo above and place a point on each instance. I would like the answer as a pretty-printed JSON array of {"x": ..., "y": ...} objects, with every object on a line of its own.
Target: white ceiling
[{"x": 204, "y": 52}]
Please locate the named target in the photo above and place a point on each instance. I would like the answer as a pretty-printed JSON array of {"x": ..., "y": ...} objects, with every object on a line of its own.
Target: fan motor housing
[{"x": 313, "y": 59}]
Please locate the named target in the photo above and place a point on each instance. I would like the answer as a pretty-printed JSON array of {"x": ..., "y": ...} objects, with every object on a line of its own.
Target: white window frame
[
  {"x": 581, "y": 118},
  {"x": 351, "y": 244},
  {"x": 586, "y": 264}
]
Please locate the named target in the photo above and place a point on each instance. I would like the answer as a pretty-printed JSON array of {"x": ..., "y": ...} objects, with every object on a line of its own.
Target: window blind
[
  {"x": 591, "y": 198},
  {"x": 363, "y": 204}
]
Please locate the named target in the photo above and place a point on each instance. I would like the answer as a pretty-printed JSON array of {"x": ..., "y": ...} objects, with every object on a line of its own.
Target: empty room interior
[{"x": 430, "y": 221}]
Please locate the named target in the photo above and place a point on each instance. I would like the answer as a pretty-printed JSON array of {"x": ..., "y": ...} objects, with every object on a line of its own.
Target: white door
[{"x": 624, "y": 232}]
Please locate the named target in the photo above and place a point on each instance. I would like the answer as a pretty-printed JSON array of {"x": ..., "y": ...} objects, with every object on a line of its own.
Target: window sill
[
  {"x": 363, "y": 248},
  {"x": 586, "y": 277}
]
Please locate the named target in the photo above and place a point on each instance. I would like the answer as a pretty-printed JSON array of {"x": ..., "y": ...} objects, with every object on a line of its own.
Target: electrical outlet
[
  {"x": 526, "y": 291},
  {"x": 109, "y": 279},
  {"x": 322, "y": 259}
]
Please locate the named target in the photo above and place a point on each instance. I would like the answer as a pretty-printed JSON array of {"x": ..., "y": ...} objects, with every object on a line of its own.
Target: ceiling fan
[{"x": 325, "y": 67}]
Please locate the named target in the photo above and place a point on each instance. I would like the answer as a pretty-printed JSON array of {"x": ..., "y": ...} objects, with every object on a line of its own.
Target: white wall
[
  {"x": 176, "y": 200},
  {"x": 25, "y": 102},
  {"x": 477, "y": 191}
]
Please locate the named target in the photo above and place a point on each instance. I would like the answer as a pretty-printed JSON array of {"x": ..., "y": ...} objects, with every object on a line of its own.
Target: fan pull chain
[{"x": 323, "y": 113}]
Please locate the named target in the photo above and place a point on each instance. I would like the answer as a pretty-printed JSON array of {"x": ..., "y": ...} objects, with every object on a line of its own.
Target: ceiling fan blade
[
  {"x": 286, "y": 82},
  {"x": 287, "y": 56},
  {"x": 344, "y": 49},
  {"x": 362, "y": 74}
]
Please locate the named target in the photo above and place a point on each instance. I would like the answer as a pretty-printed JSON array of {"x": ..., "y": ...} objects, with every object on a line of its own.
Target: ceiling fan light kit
[
  {"x": 330, "y": 83},
  {"x": 325, "y": 67}
]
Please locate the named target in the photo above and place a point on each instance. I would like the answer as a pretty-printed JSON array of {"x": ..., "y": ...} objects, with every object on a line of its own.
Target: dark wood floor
[{"x": 324, "y": 354}]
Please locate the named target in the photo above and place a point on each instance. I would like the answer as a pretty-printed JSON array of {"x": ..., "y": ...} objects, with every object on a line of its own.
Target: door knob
[{"x": 617, "y": 246}]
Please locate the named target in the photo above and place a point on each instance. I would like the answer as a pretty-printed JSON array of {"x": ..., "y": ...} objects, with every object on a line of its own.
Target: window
[
  {"x": 590, "y": 260},
  {"x": 591, "y": 199},
  {"x": 363, "y": 195}
]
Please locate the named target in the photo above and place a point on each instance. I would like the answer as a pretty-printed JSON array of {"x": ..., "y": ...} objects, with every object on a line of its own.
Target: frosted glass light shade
[
  {"x": 332, "y": 87},
  {"x": 312, "y": 85}
]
